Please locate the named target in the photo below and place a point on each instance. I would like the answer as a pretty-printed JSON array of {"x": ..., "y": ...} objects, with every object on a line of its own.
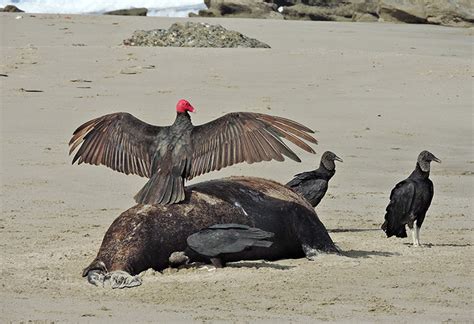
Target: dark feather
[
  {"x": 126, "y": 144},
  {"x": 227, "y": 238},
  {"x": 255, "y": 138},
  {"x": 398, "y": 210},
  {"x": 114, "y": 140},
  {"x": 410, "y": 199},
  {"x": 312, "y": 185}
]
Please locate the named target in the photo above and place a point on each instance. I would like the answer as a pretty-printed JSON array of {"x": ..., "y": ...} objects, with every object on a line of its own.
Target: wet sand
[{"x": 377, "y": 94}]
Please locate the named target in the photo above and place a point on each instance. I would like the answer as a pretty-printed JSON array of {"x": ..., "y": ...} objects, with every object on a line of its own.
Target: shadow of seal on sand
[{"x": 144, "y": 236}]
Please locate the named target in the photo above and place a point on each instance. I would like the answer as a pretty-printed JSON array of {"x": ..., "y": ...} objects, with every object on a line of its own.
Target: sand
[{"x": 377, "y": 94}]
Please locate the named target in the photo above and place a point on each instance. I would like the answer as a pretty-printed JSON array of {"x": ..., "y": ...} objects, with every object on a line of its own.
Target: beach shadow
[
  {"x": 430, "y": 245},
  {"x": 344, "y": 230},
  {"x": 258, "y": 265},
  {"x": 367, "y": 254}
]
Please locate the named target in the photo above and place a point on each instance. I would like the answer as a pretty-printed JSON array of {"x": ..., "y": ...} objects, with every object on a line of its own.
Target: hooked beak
[
  {"x": 436, "y": 159},
  {"x": 191, "y": 109},
  {"x": 337, "y": 158}
]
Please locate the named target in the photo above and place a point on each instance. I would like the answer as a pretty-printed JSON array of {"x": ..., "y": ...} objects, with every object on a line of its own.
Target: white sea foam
[{"x": 171, "y": 8}]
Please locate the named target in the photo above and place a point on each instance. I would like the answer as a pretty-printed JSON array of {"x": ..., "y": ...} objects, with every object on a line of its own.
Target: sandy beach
[{"x": 376, "y": 94}]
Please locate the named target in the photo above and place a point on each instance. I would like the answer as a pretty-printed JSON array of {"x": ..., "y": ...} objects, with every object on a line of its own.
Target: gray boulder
[
  {"x": 10, "y": 8},
  {"x": 241, "y": 9},
  {"x": 458, "y": 13},
  {"x": 128, "y": 12}
]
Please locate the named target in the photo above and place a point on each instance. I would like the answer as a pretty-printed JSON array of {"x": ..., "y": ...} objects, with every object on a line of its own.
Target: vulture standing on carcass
[
  {"x": 312, "y": 185},
  {"x": 169, "y": 155},
  {"x": 410, "y": 200}
]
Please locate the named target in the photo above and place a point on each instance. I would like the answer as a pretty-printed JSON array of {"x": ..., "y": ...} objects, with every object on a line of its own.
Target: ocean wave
[{"x": 170, "y": 8}]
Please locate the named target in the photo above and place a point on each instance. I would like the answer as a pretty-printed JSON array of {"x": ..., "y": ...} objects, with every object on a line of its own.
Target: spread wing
[
  {"x": 244, "y": 136},
  {"x": 119, "y": 141}
]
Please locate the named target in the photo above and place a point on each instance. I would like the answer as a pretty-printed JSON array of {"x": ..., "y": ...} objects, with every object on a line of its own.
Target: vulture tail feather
[{"x": 161, "y": 189}]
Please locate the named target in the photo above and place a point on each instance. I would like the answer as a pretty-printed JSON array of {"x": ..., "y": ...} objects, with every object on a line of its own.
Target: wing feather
[
  {"x": 119, "y": 141},
  {"x": 249, "y": 137},
  {"x": 399, "y": 209}
]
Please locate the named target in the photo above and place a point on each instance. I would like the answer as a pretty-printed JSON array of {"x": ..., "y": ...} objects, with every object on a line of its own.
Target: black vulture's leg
[
  {"x": 417, "y": 236},
  {"x": 217, "y": 262},
  {"x": 413, "y": 228}
]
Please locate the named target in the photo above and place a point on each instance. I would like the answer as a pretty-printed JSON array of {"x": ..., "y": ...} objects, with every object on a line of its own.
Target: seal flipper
[
  {"x": 98, "y": 275},
  {"x": 121, "y": 279},
  {"x": 313, "y": 236}
]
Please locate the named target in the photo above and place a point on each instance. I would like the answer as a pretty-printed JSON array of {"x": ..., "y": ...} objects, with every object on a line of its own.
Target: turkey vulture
[
  {"x": 410, "y": 199},
  {"x": 312, "y": 185},
  {"x": 169, "y": 155}
]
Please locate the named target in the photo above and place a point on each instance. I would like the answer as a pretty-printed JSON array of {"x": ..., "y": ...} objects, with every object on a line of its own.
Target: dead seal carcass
[{"x": 145, "y": 236}]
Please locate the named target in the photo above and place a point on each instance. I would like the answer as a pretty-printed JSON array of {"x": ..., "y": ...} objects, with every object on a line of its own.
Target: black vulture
[
  {"x": 410, "y": 199},
  {"x": 221, "y": 239},
  {"x": 312, "y": 185}
]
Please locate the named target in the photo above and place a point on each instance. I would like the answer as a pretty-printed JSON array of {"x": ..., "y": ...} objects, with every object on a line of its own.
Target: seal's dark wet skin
[{"x": 145, "y": 236}]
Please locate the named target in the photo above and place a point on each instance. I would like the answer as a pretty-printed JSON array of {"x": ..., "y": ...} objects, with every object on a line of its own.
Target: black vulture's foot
[{"x": 310, "y": 252}]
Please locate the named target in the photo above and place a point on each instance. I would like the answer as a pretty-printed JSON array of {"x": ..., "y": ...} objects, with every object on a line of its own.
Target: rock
[
  {"x": 205, "y": 13},
  {"x": 241, "y": 8},
  {"x": 11, "y": 8},
  {"x": 128, "y": 12},
  {"x": 458, "y": 13},
  {"x": 409, "y": 11},
  {"x": 305, "y": 12},
  {"x": 364, "y": 17},
  {"x": 192, "y": 34}
]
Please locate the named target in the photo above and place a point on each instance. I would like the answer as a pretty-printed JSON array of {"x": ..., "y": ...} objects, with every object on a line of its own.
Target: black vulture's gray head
[
  {"x": 328, "y": 159},
  {"x": 424, "y": 160}
]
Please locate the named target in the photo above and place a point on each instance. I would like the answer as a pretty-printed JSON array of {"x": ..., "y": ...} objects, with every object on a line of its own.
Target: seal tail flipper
[{"x": 161, "y": 189}]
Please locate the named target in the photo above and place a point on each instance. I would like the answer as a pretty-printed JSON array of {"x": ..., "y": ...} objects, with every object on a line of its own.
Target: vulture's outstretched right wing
[{"x": 120, "y": 141}]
